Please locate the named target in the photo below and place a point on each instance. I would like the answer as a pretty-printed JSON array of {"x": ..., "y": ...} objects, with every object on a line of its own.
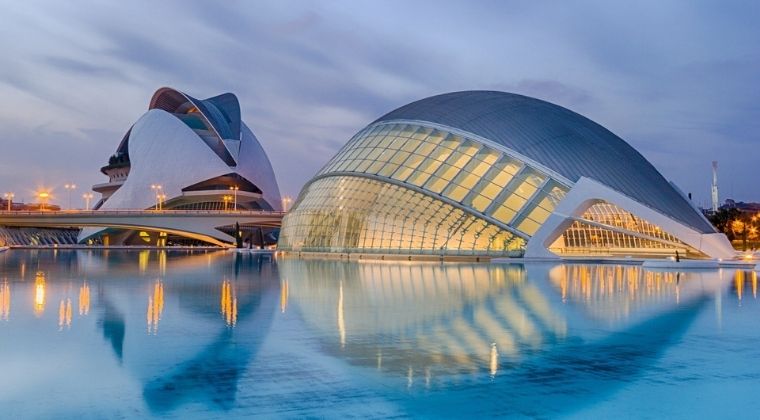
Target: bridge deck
[{"x": 199, "y": 224}]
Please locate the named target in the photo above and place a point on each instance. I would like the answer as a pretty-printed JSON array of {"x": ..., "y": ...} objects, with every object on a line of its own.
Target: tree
[
  {"x": 737, "y": 225},
  {"x": 723, "y": 221}
]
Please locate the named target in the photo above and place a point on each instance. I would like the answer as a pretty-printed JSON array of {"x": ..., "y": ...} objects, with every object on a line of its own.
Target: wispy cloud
[{"x": 673, "y": 79}]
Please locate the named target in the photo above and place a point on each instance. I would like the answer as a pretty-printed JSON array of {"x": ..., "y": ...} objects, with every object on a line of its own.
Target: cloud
[
  {"x": 83, "y": 68},
  {"x": 672, "y": 79},
  {"x": 549, "y": 90}
]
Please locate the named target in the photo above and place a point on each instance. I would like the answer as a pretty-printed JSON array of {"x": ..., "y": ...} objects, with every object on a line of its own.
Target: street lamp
[
  {"x": 43, "y": 196},
  {"x": 9, "y": 196},
  {"x": 70, "y": 188},
  {"x": 87, "y": 197},
  {"x": 161, "y": 199},
  {"x": 226, "y": 199},
  {"x": 285, "y": 202},
  {"x": 235, "y": 188},
  {"x": 157, "y": 191}
]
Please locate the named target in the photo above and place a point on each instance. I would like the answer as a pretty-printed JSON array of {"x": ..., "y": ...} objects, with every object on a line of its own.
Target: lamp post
[
  {"x": 87, "y": 197},
  {"x": 161, "y": 199},
  {"x": 235, "y": 189},
  {"x": 69, "y": 189},
  {"x": 157, "y": 191},
  {"x": 9, "y": 196},
  {"x": 285, "y": 202},
  {"x": 226, "y": 200},
  {"x": 43, "y": 196}
]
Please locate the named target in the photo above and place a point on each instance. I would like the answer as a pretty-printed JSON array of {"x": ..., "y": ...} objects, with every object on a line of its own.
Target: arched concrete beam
[{"x": 586, "y": 192}]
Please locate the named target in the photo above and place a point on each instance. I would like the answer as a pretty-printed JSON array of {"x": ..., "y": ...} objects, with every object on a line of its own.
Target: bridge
[{"x": 196, "y": 224}]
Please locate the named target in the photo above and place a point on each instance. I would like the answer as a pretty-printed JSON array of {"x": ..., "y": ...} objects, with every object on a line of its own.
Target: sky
[{"x": 678, "y": 80}]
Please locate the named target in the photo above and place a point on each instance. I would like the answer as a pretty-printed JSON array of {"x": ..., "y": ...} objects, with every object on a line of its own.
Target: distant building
[
  {"x": 185, "y": 154},
  {"x": 741, "y": 206},
  {"x": 18, "y": 206},
  {"x": 485, "y": 173}
]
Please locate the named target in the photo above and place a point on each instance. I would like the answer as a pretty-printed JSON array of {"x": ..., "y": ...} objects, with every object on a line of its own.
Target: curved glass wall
[
  {"x": 362, "y": 215},
  {"x": 607, "y": 229},
  {"x": 487, "y": 181},
  {"x": 612, "y": 215}
]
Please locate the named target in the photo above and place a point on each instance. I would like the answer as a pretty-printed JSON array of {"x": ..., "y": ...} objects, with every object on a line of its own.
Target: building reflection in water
[
  {"x": 64, "y": 314},
  {"x": 84, "y": 299},
  {"x": 283, "y": 295},
  {"x": 519, "y": 326},
  {"x": 742, "y": 280},
  {"x": 228, "y": 303},
  {"x": 162, "y": 262},
  {"x": 142, "y": 260},
  {"x": 613, "y": 292},
  {"x": 155, "y": 307},
  {"x": 341, "y": 319},
  {"x": 414, "y": 318},
  {"x": 436, "y": 318},
  {"x": 220, "y": 355},
  {"x": 39, "y": 294},
  {"x": 5, "y": 301},
  {"x": 494, "y": 365}
]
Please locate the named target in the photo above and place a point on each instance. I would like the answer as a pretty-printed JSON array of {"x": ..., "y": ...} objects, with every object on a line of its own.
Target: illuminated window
[{"x": 481, "y": 178}]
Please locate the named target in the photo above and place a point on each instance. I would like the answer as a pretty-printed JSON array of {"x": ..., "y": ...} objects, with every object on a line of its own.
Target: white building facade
[{"x": 187, "y": 154}]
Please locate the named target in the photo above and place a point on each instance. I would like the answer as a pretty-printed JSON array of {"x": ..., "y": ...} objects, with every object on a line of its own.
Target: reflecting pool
[{"x": 210, "y": 334}]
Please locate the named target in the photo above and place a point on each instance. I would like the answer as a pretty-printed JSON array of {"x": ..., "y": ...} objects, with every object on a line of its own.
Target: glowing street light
[
  {"x": 285, "y": 203},
  {"x": 43, "y": 197},
  {"x": 9, "y": 196},
  {"x": 70, "y": 188},
  {"x": 87, "y": 197},
  {"x": 226, "y": 200},
  {"x": 235, "y": 188},
  {"x": 157, "y": 191}
]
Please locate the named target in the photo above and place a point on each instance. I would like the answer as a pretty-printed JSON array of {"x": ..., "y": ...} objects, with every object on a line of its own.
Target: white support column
[{"x": 587, "y": 192}]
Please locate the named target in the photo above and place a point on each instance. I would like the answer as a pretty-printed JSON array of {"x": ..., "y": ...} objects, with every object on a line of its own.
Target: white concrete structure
[
  {"x": 587, "y": 192},
  {"x": 188, "y": 154},
  {"x": 714, "y": 188},
  {"x": 486, "y": 173}
]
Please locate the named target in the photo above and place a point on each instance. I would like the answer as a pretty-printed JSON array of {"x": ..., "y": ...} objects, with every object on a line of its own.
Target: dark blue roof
[
  {"x": 568, "y": 143},
  {"x": 222, "y": 113}
]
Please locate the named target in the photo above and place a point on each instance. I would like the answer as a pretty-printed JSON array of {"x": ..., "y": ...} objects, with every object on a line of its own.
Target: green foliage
[{"x": 722, "y": 220}]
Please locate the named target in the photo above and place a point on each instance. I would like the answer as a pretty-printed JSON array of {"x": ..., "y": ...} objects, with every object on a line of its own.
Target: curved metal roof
[
  {"x": 222, "y": 111},
  {"x": 568, "y": 143}
]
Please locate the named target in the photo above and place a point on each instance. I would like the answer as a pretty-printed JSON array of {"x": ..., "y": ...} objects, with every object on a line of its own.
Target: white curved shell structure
[{"x": 189, "y": 154}]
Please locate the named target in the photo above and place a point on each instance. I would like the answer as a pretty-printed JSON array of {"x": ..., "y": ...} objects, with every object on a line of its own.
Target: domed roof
[{"x": 562, "y": 140}]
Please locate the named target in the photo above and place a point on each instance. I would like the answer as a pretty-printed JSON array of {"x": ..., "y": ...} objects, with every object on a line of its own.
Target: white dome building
[
  {"x": 484, "y": 173},
  {"x": 195, "y": 151}
]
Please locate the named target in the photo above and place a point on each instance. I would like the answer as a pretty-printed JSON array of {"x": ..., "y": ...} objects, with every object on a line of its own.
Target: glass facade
[
  {"x": 416, "y": 189},
  {"x": 361, "y": 215},
  {"x": 629, "y": 234},
  {"x": 481, "y": 178},
  {"x": 403, "y": 187}
]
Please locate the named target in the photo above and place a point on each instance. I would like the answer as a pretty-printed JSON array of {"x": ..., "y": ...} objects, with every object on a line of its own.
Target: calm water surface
[{"x": 146, "y": 333}]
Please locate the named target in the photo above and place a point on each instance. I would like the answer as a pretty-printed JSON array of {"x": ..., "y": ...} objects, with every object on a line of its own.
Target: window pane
[{"x": 504, "y": 214}]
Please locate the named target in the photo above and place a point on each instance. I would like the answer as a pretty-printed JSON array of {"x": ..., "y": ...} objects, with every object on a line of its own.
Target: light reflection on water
[{"x": 144, "y": 333}]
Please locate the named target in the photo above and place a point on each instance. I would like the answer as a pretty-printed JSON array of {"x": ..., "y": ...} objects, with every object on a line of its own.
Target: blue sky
[{"x": 679, "y": 81}]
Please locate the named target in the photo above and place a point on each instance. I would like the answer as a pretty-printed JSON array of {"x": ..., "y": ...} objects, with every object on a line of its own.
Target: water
[{"x": 96, "y": 334}]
